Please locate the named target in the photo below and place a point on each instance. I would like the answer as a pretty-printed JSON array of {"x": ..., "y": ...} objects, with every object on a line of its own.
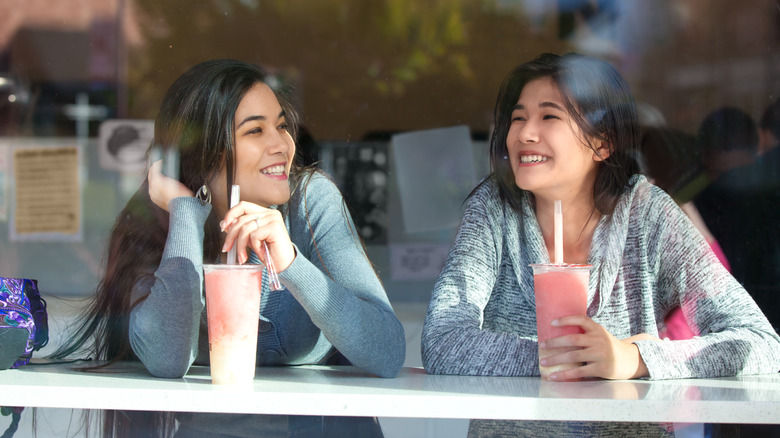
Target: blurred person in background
[
  {"x": 734, "y": 205},
  {"x": 669, "y": 159}
]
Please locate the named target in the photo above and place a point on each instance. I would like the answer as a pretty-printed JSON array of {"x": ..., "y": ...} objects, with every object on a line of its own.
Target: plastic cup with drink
[
  {"x": 233, "y": 312},
  {"x": 560, "y": 290}
]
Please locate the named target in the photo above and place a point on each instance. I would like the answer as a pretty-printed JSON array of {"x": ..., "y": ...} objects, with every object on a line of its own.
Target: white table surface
[{"x": 347, "y": 391}]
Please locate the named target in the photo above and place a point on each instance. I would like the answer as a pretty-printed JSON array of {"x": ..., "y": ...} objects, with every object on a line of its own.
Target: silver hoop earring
[
  {"x": 204, "y": 194},
  {"x": 506, "y": 156}
]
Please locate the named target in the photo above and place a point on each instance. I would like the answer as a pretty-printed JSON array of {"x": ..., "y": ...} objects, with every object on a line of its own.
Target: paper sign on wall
[
  {"x": 122, "y": 144},
  {"x": 435, "y": 172},
  {"x": 3, "y": 183},
  {"x": 417, "y": 261},
  {"x": 47, "y": 194}
]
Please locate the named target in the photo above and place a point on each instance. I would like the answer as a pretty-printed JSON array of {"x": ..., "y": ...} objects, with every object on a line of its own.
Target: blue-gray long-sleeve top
[{"x": 331, "y": 299}]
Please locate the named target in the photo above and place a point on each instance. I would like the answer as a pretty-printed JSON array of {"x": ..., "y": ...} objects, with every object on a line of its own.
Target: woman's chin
[
  {"x": 276, "y": 200},
  {"x": 523, "y": 185}
]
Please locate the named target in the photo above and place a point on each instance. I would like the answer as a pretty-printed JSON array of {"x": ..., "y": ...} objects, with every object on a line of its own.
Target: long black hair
[{"x": 599, "y": 101}]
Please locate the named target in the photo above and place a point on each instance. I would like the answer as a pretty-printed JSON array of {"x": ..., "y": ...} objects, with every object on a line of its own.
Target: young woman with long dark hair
[
  {"x": 229, "y": 127},
  {"x": 566, "y": 129}
]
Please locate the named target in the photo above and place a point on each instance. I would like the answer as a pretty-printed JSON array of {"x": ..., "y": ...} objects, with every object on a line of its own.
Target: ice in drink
[
  {"x": 232, "y": 311},
  {"x": 560, "y": 290}
]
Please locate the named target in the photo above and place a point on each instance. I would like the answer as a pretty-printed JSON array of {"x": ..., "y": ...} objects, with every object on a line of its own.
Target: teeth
[
  {"x": 532, "y": 158},
  {"x": 273, "y": 170}
]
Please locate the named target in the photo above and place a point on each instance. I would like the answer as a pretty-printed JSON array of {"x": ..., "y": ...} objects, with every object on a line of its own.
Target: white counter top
[{"x": 346, "y": 391}]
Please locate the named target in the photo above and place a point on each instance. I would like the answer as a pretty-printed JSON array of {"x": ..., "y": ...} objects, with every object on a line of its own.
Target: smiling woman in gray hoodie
[{"x": 566, "y": 129}]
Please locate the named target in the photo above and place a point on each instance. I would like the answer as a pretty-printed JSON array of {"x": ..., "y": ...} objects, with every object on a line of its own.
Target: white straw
[
  {"x": 558, "y": 233},
  {"x": 234, "y": 196},
  {"x": 273, "y": 277}
]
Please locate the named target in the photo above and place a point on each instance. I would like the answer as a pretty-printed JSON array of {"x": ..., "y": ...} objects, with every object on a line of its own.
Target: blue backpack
[{"x": 24, "y": 325}]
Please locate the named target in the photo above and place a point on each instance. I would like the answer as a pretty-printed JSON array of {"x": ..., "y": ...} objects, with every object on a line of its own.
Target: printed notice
[
  {"x": 47, "y": 194},
  {"x": 417, "y": 261},
  {"x": 3, "y": 182}
]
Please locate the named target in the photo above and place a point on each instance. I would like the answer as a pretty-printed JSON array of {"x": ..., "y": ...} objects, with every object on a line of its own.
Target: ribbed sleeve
[
  {"x": 334, "y": 282},
  {"x": 164, "y": 327}
]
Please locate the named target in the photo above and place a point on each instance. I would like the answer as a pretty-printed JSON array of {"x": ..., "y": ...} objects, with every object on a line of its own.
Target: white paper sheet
[{"x": 435, "y": 172}]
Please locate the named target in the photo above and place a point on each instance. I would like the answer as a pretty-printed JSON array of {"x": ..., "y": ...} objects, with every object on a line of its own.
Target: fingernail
[
  {"x": 554, "y": 322},
  {"x": 222, "y": 226},
  {"x": 543, "y": 344},
  {"x": 543, "y": 361}
]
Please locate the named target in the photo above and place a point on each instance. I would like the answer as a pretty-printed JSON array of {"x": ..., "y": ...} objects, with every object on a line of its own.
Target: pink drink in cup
[
  {"x": 233, "y": 311},
  {"x": 560, "y": 290}
]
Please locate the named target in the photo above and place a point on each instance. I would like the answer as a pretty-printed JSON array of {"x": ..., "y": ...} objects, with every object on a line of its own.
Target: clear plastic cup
[
  {"x": 559, "y": 290},
  {"x": 233, "y": 311}
]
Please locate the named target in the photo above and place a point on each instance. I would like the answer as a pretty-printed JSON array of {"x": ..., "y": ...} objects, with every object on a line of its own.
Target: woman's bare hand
[
  {"x": 601, "y": 354},
  {"x": 163, "y": 189},
  {"x": 248, "y": 225}
]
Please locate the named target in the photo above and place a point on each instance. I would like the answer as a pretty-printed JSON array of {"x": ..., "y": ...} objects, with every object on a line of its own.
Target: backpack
[{"x": 24, "y": 325}]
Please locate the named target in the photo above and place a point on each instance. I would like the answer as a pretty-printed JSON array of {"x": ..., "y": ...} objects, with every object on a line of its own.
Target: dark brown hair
[{"x": 599, "y": 101}]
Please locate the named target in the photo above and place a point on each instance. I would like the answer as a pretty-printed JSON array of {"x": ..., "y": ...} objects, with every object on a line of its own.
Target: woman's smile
[
  {"x": 276, "y": 171},
  {"x": 532, "y": 159}
]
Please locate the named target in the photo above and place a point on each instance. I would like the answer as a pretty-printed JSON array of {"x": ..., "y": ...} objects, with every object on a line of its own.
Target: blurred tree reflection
[
  {"x": 434, "y": 31},
  {"x": 351, "y": 62}
]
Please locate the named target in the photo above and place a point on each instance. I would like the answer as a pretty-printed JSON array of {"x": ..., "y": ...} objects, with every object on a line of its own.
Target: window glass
[{"x": 84, "y": 80}]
